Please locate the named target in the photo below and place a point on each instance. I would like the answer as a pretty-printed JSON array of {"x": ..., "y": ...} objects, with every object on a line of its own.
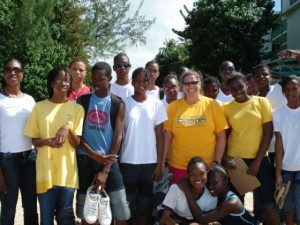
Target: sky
[{"x": 167, "y": 17}]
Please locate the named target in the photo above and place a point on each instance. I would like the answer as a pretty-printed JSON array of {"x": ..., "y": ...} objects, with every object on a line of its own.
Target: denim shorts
[
  {"x": 292, "y": 200},
  {"x": 118, "y": 203},
  {"x": 139, "y": 185}
]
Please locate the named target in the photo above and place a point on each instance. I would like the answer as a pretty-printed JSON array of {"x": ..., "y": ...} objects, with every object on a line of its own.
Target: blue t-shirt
[{"x": 97, "y": 129}]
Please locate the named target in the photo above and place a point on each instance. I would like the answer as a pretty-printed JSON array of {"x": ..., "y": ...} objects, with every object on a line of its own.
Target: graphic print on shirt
[
  {"x": 191, "y": 121},
  {"x": 97, "y": 117}
]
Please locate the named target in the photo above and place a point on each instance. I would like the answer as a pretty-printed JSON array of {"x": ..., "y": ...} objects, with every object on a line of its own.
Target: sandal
[{"x": 281, "y": 193}]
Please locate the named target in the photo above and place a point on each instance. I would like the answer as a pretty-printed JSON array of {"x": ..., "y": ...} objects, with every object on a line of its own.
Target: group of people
[{"x": 121, "y": 136}]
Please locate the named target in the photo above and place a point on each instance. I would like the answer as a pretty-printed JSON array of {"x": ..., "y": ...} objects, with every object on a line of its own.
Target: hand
[
  {"x": 101, "y": 158},
  {"x": 158, "y": 171},
  {"x": 288, "y": 53},
  {"x": 228, "y": 162},
  {"x": 3, "y": 187},
  {"x": 51, "y": 142},
  {"x": 279, "y": 182},
  {"x": 100, "y": 180},
  {"x": 183, "y": 184},
  {"x": 62, "y": 135},
  {"x": 254, "y": 167},
  {"x": 167, "y": 220}
]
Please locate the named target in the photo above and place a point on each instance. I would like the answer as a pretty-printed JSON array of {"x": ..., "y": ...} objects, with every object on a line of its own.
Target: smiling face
[
  {"x": 262, "y": 77},
  {"x": 61, "y": 83},
  {"x": 140, "y": 83},
  {"x": 191, "y": 86},
  {"x": 216, "y": 183},
  {"x": 211, "y": 90},
  {"x": 13, "y": 73},
  {"x": 238, "y": 90},
  {"x": 291, "y": 91},
  {"x": 197, "y": 175},
  {"x": 171, "y": 88}
]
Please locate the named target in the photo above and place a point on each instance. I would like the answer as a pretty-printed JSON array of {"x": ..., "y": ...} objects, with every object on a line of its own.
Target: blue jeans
[
  {"x": 292, "y": 200},
  {"x": 57, "y": 201},
  {"x": 19, "y": 173}
]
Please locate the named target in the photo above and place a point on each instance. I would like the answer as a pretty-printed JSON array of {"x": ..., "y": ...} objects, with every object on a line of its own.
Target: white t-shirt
[
  {"x": 164, "y": 100},
  {"x": 153, "y": 93},
  {"x": 277, "y": 99},
  {"x": 176, "y": 200},
  {"x": 13, "y": 117},
  {"x": 139, "y": 144},
  {"x": 287, "y": 122},
  {"x": 123, "y": 91},
  {"x": 222, "y": 98}
]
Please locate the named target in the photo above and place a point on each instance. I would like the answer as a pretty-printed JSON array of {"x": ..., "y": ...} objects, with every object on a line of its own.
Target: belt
[{"x": 22, "y": 154}]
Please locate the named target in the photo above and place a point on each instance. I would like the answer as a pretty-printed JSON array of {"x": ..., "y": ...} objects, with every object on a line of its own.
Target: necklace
[
  {"x": 12, "y": 95},
  {"x": 77, "y": 92}
]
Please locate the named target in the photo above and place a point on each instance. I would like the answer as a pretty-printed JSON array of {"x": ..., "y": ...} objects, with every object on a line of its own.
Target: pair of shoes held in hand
[{"x": 97, "y": 206}]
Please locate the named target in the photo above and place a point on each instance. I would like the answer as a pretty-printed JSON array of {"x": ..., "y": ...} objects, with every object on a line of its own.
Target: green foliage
[
  {"x": 46, "y": 33},
  {"x": 226, "y": 30},
  {"x": 111, "y": 28}
]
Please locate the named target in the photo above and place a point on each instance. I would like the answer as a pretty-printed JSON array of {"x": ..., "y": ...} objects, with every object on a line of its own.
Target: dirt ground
[{"x": 19, "y": 213}]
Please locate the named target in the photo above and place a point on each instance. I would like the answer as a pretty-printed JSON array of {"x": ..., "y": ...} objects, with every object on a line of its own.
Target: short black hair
[
  {"x": 235, "y": 76},
  {"x": 120, "y": 55},
  {"x": 261, "y": 66},
  {"x": 194, "y": 160},
  {"x": 287, "y": 79},
  {"x": 151, "y": 62},
  {"x": 139, "y": 70},
  {"x": 211, "y": 80},
  {"x": 103, "y": 66},
  {"x": 170, "y": 76}
]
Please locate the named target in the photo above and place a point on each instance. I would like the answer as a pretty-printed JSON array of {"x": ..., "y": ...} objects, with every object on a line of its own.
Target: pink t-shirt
[{"x": 75, "y": 93}]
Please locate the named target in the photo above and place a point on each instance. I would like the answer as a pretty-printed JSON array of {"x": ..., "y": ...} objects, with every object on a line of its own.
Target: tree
[
  {"x": 46, "y": 33},
  {"x": 227, "y": 30}
]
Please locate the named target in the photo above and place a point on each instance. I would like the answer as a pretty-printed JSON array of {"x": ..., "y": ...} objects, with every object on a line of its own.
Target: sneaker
[
  {"x": 91, "y": 205},
  {"x": 105, "y": 217}
]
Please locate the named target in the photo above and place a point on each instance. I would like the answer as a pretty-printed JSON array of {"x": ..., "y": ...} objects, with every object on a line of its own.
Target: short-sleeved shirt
[
  {"x": 246, "y": 123},
  {"x": 175, "y": 201},
  {"x": 194, "y": 129},
  {"x": 55, "y": 166}
]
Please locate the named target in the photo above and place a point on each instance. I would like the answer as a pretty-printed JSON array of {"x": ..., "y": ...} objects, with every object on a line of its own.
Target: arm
[
  {"x": 220, "y": 212},
  {"x": 166, "y": 218},
  {"x": 101, "y": 177},
  {"x": 159, "y": 145},
  {"x": 288, "y": 53},
  {"x": 278, "y": 157},
  {"x": 65, "y": 132},
  {"x": 263, "y": 147},
  {"x": 3, "y": 187},
  {"x": 39, "y": 142},
  {"x": 168, "y": 137},
  {"x": 220, "y": 145}
]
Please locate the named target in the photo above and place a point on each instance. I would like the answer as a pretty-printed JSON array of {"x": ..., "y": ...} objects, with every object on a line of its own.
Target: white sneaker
[
  {"x": 91, "y": 205},
  {"x": 105, "y": 217}
]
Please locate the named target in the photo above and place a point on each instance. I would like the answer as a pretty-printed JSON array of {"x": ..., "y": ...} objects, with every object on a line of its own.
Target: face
[
  {"x": 191, "y": 86},
  {"x": 61, "y": 84},
  {"x": 251, "y": 87},
  {"x": 226, "y": 70},
  {"x": 238, "y": 90},
  {"x": 216, "y": 184},
  {"x": 140, "y": 83},
  {"x": 122, "y": 67},
  {"x": 211, "y": 90},
  {"x": 78, "y": 72},
  {"x": 171, "y": 89},
  {"x": 262, "y": 77},
  {"x": 197, "y": 175},
  {"x": 100, "y": 81},
  {"x": 292, "y": 91},
  {"x": 13, "y": 73},
  {"x": 154, "y": 72}
]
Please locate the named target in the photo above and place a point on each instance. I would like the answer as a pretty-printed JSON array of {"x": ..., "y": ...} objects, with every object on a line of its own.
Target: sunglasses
[
  {"x": 12, "y": 69},
  {"x": 122, "y": 64},
  {"x": 191, "y": 83},
  {"x": 228, "y": 68}
]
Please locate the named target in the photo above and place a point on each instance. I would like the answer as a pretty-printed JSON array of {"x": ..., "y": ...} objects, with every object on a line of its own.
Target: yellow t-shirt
[
  {"x": 246, "y": 123},
  {"x": 55, "y": 166},
  {"x": 194, "y": 127}
]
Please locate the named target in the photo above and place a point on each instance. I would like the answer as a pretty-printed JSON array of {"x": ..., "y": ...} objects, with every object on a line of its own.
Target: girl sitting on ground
[
  {"x": 230, "y": 209},
  {"x": 175, "y": 205}
]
